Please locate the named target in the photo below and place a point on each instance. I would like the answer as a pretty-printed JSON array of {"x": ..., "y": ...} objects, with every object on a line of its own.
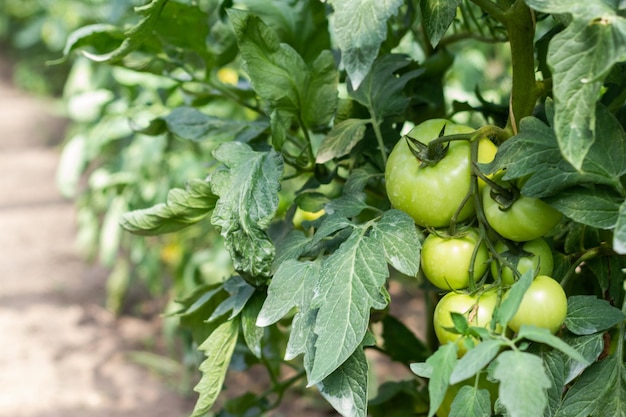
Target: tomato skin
[
  {"x": 477, "y": 309},
  {"x": 540, "y": 256},
  {"x": 445, "y": 261},
  {"x": 544, "y": 305},
  {"x": 526, "y": 219},
  {"x": 431, "y": 195}
]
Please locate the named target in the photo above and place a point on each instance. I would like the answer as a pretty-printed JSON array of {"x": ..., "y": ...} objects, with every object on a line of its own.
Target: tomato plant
[
  {"x": 535, "y": 255},
  {"x": 449, "y": 262},
  {"x": 213, "y": 123}
]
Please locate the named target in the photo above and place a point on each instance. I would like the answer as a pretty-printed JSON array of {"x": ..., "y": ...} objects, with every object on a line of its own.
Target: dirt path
[{"x": 61, "y": 353}]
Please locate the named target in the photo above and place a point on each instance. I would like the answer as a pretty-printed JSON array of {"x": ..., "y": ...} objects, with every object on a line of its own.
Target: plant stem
[
  {"x": 494, "y": 10},
  {"x": 379, "y": 137}
]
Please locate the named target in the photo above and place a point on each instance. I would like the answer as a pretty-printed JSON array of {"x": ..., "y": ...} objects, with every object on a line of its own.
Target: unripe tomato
[
  {"x": 486, "y": 153},
  {"x": 431, "y": 194},
  {"x": 477, "y": 309},
  {"x": 544, "y": 305},
  {"x": 526, "y": 219},
  {"x": 528, "y": 257},
  {"x": 446, "y": 261}
]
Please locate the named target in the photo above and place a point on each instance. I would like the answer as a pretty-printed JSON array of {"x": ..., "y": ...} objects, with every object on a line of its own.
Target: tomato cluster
[{"x": 482, "y": 233}]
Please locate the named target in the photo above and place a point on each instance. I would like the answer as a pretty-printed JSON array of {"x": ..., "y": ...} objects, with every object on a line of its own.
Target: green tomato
[
  {"x": 431, "y": 194},
  {"x": 446, "y": 261},
  {"x": 529, "y": 256},
  {"x": 526, "y": 219},
  {"x": 544, "y": 305},
  {"x": 477, "y": 309}
]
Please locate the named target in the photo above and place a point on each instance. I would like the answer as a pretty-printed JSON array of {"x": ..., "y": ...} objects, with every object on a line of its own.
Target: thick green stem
[{"x": 520, "y": 26}]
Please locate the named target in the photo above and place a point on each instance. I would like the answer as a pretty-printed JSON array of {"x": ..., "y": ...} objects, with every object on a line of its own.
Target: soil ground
[{"x": 61, "y": 353}]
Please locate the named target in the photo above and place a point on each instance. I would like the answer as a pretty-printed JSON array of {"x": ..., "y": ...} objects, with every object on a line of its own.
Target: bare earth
[{"x": 61, "y": 353}]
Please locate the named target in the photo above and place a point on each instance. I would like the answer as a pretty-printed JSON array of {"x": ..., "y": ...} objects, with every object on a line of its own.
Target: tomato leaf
[
  {"x": 401, "y": 243},
  {"x": 346, "y": 388},
  {"x": 400, "y": 343},
  {"x": 540, "y": 335},
  {"x": 182, "y": 209},
  {"x": 589, "y": 347},
  {"x": 351, "y": 283},
  {"x": 509, "y": 305},
  {"x": 523, "y": 383},
  {"x": 555, "y": 366},
  {"x": 437, "y": 15},
  {"x": 381, "y": 92},
  {"x": 218, "y": 349},
  {"x": 438, "y": 368},
  {"x": 619, "y": 234},
  {"x": 600, "y": 390},
  {"x": 475, "y": 359},
  {"x": 360, "y": 26},
  {"x": 240, "y": 292},
  {"x": 581, "y": 56},
  {"x": 253, "y": 334},
  {"x": 279, "y": 74},
  {"x": 247, "y": 185},
  {"x": 471, "y": 402},
  {"x": 341, "y": 139},
  {"x": 595, "y": 207},
  {"x": 587, "y": 314}
]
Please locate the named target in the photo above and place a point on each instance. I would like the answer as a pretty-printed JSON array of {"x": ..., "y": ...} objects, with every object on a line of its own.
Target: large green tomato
[
  {"x": 446, "y": 260},
  {"x": 528, "y": 256},
  {"x": 431, "y": 194},
  {"x": 544, "y": 305},
  {"x": 477, "y": 309},
  {"x": 526, "y": 219}
]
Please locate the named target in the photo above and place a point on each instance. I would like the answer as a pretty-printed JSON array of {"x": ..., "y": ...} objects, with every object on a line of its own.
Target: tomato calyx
[
  {"x": 431, "y": 154},
  {"x": 504, "y": 196}
]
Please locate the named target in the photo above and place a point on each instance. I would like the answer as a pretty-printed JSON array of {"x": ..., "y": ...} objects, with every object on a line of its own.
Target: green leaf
[
  {"x": 400, "y": 343},
  {"x": 471, "y": 402},
  {"x": 182, "y": 209},
  {"x": 360, "y": 26},
  {"x": 587, "y": 314},
  {"x": 99, "y": 36},
  {"x": 293, "y": 286},
  {"x": 240, "y": 292},
  {"x": 348, "y": 205},
  {"x": 595, "y": 207},
  {"x": 382, "y": 91},
  {"x": 280, "y": 76},
  {"x": 351, "y": 283},
  {"x": 401, "y": 242},
  {"x": 589, "y": 347},
  {"x": 541, "y": 335},
  {"x": 619, "y": 234},
  {"x": 475, "y": 359},
  {"x": 190, "y": 123},
  {"x": 581, "y": 56},
  {"x": 600, "y": 390},
  {"x": 555, "y": 365},
  {"x": 346, "y": 388},
  {"x": 577, "y": 8},
  {"x": 523, "y": 383},
  {"x": 247, "y": 186},
  {"x": 341, "y": 139},
  {"x": 513, "y": 298},
  {"x": 437, "y": 15},
  {"x": 442, "y": 363},
  {"x": 218, "y": 349},
  {"x": 253, "y": 334},
  {"x": 290, "y": 247}
]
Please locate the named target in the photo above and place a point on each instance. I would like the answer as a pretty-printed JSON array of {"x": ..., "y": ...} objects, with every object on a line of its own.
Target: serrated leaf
[
  {"x": 348, "y": 205},
  {"x": 555, "y": 365},
  {"x": 471, "y": 402},
  {"x": 360, "y": 26},
  {"x": 595, "y": 207},
  {"x": 577, "y": 8},
  {"x": 279, "y": 74},
  {"x": 541, "y": 335},
  {"x": 401, "y": 242},
  {"x": 341, "y": 139},
  {"x": 240, "y": 292},
  {"x": 190, "y": 123},
  {"x": 329, "y": 225},
  {"x": 589, "y": 347},
  {"x": 346, "y": 388},
  {"x": 475, "y": 359},
  {"x": 441, "y": 364},
  {"x": 253, "y": 334},
  {"x": 437, "y": 15},
  {"x": 523, "y": 383},
  {"x": 587, "y": 314},
  {"x": 290, "y": 247},
  {"x": 351, "y": 283},
  {"x": 382, "y": 91},
  {"x": 600, "y": 390},
  {"x": 400, "y": 343},
  {"x": 247, "y": 186},
  {"x": 182, "y": 209},
  {"x": 580, "y": 57},
  {"x": 218, "y": 349},
  {"x": 619, "y": 234}
]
